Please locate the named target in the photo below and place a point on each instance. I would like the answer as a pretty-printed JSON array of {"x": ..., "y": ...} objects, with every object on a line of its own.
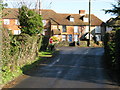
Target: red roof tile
[{"x": 57, "y": 18}]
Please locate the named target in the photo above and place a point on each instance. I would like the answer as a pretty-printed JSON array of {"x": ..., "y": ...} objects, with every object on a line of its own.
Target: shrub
[
  {"x": 45, "y": 43},
  {"x": 55, "y": 39},
  {"x": 30, "y": 21},
  {"x": 112, "y": 50},
  {"x": 109, "y": 46},
  {"x": 17, "y": 51}
]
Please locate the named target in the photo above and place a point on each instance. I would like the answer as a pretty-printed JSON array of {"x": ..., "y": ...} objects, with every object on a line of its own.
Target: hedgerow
[
  {"x": 17, "y": 51},
  {"x": 112, "y": 51}
]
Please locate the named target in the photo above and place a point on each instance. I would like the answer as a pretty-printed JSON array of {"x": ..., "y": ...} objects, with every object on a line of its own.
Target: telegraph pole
[
  {"x": 89, "y": 21},
  {"x": 39, "y": 7}
]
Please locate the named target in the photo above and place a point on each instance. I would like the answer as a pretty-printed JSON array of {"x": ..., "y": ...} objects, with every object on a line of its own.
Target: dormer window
[
  {"x": 71, "y": 19},
  {"x": 85, "y": 19}
]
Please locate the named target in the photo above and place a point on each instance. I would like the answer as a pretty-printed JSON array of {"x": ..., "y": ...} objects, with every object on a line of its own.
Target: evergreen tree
[
  {"x": 30, "y": 21},
  {"x": 115, "y": 10}
]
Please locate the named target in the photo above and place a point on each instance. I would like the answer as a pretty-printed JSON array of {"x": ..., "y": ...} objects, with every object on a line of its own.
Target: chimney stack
[{"x": 82, "y": 12}]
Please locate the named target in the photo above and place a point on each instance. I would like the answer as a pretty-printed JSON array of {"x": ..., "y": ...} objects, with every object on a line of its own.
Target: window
[
  {"x": 63, "y": 37},
  {"x": 44, "y": 30},
  {"x": 85, "y": 19},
  {"x": 17, "y": 22},
  {"x": 97, "y": 29},
  {"x": 75, "y": 38},
  {"x": 44, "y": 22},
  {"x": 64, "y": 29},
  {"x": 98, "y": 37},
  {"x": 16, "y": 32},
  {"x": 87, "y": 29},
  {"x": 6, "y": 21},
  {"x": 54, "y": 27},
  {"x": 75, "y": 29},
  {"x": 71, "y": 19}
]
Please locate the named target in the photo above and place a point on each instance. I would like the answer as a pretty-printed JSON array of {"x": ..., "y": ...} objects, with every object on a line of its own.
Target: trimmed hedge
[{"x": 112, "y": 51}]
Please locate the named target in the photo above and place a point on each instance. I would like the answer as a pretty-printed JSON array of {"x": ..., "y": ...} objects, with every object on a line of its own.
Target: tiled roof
[
  {"x": 57, "y": 18},
  {"x": 63, "y": 19},
  {"x": 10, "y": 13}
]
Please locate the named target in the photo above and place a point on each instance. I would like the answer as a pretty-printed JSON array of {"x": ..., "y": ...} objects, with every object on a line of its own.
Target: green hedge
[
  {"x": 112, "y": 50},
  {"x": 45, "y": 43},
  {"x": 17, "y": 51}
]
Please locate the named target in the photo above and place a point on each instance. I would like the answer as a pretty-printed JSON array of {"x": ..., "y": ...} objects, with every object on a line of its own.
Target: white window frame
[
  {"x": 85, "y": 19},
  {"x": 72, "y": 19},
  {"x": 76, "y": 29},
  {"x": 44, "y": 22},
  {"x": 17, "y": 22},
  {"x": 17, "y": 32},
  {"x": 98, "y": 37},
  {"x": 87, "y": 29},
  {"x": 97, "y": 29},
  {"x": 63, "y": 37},
  {"x": 6, "y": 21},
  {"x": 75, "y": 38}
]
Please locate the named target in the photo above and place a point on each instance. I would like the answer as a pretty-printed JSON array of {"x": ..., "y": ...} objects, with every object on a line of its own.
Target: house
[
  {"x": 67, "y": 27},
  {"x": 112, "y": 23},
  {"x": 10, "y": 20},
  {"x": 70, "y": 27}
]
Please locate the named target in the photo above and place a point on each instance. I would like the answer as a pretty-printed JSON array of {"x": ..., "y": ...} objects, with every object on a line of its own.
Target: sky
[{"x": 71, "y": 6}]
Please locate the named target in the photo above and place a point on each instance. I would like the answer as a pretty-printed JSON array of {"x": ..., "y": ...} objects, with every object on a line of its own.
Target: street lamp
[{"x": 89, "y": 21}]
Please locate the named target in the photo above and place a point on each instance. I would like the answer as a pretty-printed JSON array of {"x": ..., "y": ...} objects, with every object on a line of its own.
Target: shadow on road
[{"x": 85, "y": 66}]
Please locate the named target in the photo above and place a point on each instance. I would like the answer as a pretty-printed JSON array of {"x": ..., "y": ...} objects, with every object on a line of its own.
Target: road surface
[{"x": 73, "y": 68}]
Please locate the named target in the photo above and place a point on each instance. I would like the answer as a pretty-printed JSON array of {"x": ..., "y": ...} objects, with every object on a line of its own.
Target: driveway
[{"x": 73, "y": 68}]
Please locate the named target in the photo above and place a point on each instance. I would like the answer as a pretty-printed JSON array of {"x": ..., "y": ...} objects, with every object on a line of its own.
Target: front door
[{"x": 70, "y": 37}]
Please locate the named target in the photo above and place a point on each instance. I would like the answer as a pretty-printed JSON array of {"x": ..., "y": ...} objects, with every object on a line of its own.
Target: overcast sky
[{"x": 72, "y": 6}]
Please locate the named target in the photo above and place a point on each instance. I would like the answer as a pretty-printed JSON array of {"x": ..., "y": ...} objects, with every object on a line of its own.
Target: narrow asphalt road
[{"x": 73, "y": 68}]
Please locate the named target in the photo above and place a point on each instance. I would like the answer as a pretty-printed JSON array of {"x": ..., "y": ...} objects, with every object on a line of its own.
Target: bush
[
  {"x": 17, "y": 51},
  {"x": 30, "y": 21},
  {"x": 117, "y": 50},
  {"x": 45, "y": 43},
  {"x": 55, "y": 39},
  {"x": 112, "y": 51}
]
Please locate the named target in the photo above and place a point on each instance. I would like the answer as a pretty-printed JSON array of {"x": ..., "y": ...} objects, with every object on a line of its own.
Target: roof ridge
[{"x": 67, "y": 13}]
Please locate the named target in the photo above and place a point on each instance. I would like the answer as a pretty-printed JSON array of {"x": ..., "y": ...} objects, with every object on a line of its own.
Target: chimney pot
[{"x": 82, "y": 12}]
